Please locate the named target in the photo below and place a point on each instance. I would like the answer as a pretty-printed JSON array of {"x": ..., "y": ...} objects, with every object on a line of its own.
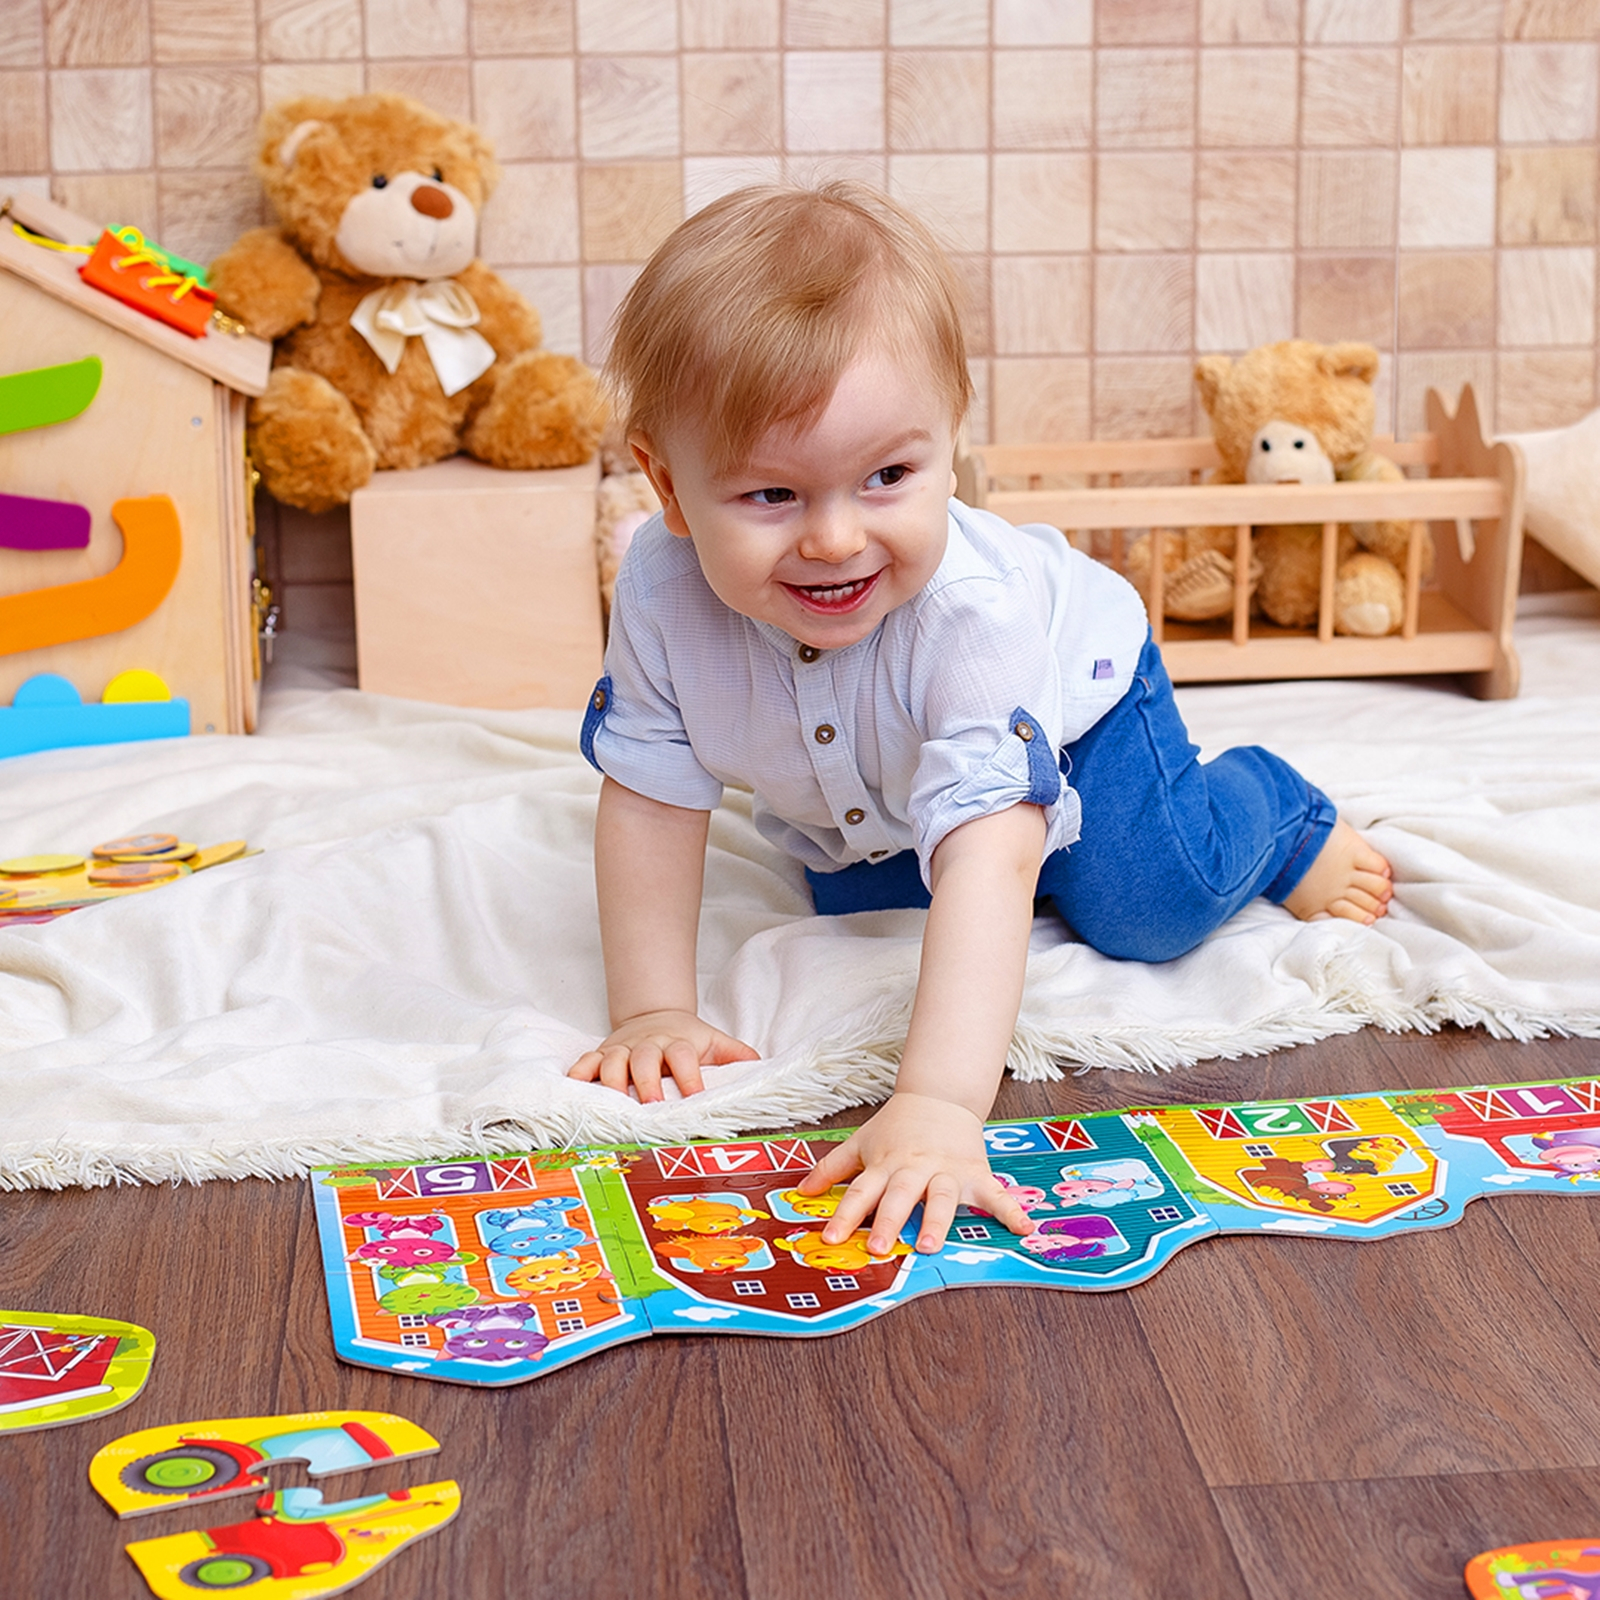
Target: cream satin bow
[{"x": 440, "y": 313}]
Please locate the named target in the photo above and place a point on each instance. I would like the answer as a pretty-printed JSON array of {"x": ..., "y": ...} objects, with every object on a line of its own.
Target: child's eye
[
  {"x": 887, "y": 477},
  {"x": 771, "y": 497}
]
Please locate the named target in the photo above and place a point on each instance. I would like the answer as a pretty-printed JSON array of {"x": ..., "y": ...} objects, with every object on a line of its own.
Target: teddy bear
[
  {"x": 395, "y": 346},
  {"x": 1292, "y": 412}
]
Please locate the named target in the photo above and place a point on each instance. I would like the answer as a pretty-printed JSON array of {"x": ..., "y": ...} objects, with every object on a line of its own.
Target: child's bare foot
[{"x": 1348, "y": 879}]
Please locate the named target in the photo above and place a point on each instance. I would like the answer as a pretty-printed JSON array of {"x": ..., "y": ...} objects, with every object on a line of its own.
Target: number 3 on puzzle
[{"x": 152, "y": 550}]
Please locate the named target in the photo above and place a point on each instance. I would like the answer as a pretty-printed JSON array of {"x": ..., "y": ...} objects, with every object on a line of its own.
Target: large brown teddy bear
[
  {"x": 1294, "y": 412},
  {"x": 395, "y": 345}
]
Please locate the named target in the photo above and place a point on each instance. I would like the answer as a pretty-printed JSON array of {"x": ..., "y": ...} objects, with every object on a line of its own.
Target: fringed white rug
[{"x": 413, "y": 962}]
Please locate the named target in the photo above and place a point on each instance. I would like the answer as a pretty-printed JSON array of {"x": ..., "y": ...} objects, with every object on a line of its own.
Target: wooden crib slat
[
  {"x": 1330, "y": 567},
  {"x": 1241, "y": 584},
  {"x": 1158, "y": 583},
  {"x": 1413, "y": 607}
]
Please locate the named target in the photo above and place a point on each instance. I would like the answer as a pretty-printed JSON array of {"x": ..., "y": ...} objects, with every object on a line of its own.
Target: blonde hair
[{"x": 749, "y": 313}]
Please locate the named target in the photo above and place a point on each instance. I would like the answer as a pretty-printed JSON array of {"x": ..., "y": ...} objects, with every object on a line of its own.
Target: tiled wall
[{"x": 1126, "y": 182}]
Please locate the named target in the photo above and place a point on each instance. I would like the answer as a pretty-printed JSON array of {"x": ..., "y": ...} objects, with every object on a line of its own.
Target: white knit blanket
[{"x": 411, "y": 964}]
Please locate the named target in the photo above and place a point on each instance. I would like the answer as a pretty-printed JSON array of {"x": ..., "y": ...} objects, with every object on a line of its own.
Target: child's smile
[{"x": 831, "y": 525}]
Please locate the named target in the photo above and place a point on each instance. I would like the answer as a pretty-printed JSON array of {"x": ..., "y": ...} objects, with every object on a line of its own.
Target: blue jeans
[{"x": 1171, "y": 847}]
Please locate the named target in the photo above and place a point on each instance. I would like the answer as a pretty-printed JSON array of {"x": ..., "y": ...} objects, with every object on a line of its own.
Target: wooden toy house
[{"x": 163, "y": 439}]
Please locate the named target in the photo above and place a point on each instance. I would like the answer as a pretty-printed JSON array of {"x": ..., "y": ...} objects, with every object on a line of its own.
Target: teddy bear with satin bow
[{"x": 395, "y": 345}]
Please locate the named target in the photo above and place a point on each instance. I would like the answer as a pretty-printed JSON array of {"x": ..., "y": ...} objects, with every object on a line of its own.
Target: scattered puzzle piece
[
  {"x": 166, "y": 1466},
  {"x": 1560, "y": 1569},
  {"x": 57, "y": 1369},
  {"x": 36, "y": 889}
]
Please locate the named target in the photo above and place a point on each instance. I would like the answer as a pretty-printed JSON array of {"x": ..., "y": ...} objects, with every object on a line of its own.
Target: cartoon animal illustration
[
  {"x": 1368, "y": 1156},
  {"x": 702, "y": 1213},
  {"x": 1112, "y": 1183},
  {"x": 726, "y": 1252},
  {"x": 814, "y": 1205},
  {"x": 552, "y": 1274},
  {"x": 1554, "y": 1583},
  {"x": 1071, "y": 1238},
  {"x": 508, "y": 1332},
  {"x": 1029, "y": 1196},
  {"x": 404, "y": 1241},
  {"x": 534, "y": 1229},
  {"x": 414, "y": 1298},
  {"x": 810, "y": 1249},
  {"x": 1573, "y": 1150},
  {"x": 1305, "y": 1182}
]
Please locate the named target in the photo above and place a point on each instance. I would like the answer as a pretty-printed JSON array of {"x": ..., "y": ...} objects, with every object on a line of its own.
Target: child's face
[{"x": 827, "y": 529}]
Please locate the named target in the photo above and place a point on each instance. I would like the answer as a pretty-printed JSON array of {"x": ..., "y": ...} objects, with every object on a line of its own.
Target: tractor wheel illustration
[
  {"x": 223, "y": 1571},
  {"x": 186, "y": 1470}
]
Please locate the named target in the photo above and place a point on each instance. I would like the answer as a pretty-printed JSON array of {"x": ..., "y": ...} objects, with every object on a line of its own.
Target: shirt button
[
  {"x": 824, "y": 733},
  {"x": 808, "y": 652},
  {"x": 1024, "y": 731},
  {"x": 854, "y": 815},
  {"x": 599, "y": 700}
]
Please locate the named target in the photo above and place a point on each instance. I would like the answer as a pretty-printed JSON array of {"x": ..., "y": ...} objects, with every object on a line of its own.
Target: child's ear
[{"x": 654, "y": 466}]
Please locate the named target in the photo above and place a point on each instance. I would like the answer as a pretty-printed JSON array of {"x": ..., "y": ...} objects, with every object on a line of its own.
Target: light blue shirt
[{"x": 954, "y": 707}]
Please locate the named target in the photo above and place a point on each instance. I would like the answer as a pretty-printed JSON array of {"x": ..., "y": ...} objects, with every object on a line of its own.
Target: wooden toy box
[
  {"x": 168, "y": 419},
  {"x": 477, "y": 587},
  {"x": 1471, "y": 498}
]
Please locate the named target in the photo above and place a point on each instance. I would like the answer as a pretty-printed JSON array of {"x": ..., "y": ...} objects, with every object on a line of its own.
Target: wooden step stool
[{"x": 477, "y": 587}]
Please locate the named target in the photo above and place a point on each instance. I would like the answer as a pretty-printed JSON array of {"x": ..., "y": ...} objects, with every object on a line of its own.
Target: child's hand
[
  {"x": 915, "y": 1148},
  {"x": 639, "y": 1050}
]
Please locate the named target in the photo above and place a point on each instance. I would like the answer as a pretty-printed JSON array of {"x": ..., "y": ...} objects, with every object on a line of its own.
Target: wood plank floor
[{"x": 1266, "y": 1418}]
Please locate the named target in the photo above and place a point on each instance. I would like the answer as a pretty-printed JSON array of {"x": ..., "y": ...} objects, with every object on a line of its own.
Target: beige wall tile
[
  {"x": 604, "y": 287},
  {"x": 532, "y": 218},
  {"x": 1346, "y": 297},
  {"x": 1447, "y": 371},
  {"x": 833, "y": 100},
  {"x": 637, "y": 25},
  {"x": 1144, "y": 200},
  {"x": 1448, "y": 94},
  {"x": 1147, "y": 22},
  {"x": 96, "y": 33},
  {"x": 112, "y": 199},
  {"x": 1145, "y": 98},
  {"x": 979, "y": 428},
  {"x": 1549, "y": 196},
  {"x": 1453, "y": 19},
  {"x": 1352, "y": 21},
  {"x": 835, "y": 24},
  {"x": 1552, "y": 19},
  {"x": 626, "y": 210},
  {"x": 1249, "y": 21},
  {"x": 1039, "y": 398},
  {"x": 810, "y": 168},
  {"x": 1446, "y": 299},
  {"x": 1249, "y": 97},
  {"x": 1245, "y": 202},
  {"x": 1144, "y": 397},
  {"x": 100, "y": 120},
  {"x": 1347, "y": 199},
  {"x": 556, "y": 293},
  {"x": 1041, "y": 305},
  {"x": 949, "y": 192},
  {"x": 1446, "y": 198},
  {"x": 938, "y": 100},
  {"x": 528, "y": 106},
  {"x": 522, "y": 27},
  {"x": 309, "y": 30},
  {"x": 706, "y": 178},
  {"x": 628, "y": 107},
  {"x": 1542, "y": 388},
  {"x": 938, "y": 22},
  {"x": 202, "y": 213},
  {"x": 403, "y": 28},
  {"x": 1243, "y": 300},
  {"x": 24, "y": 145},
  {"x": 1043, "y": 22},
  {"x": 1043, "y": 99},
  {"x": 21, "y": 36},
  {"x": 1350, "y": 97},
  {"x": 443, "y": 86},
  {"x": 1546, "y": 297},
  {"x": 732, "y": 103},
  {"x": 1143, "y": 304},
  {"x": 288, "y": 80},
  {"x": 977, "y": 301},
  {"x": 206, "y": 116},
  {"x": 203, "y": 30},
  {"x": 729, "y": 24},
  {"x": 1041, "y": 201},
  {"x": 1548, "y": 92}
]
